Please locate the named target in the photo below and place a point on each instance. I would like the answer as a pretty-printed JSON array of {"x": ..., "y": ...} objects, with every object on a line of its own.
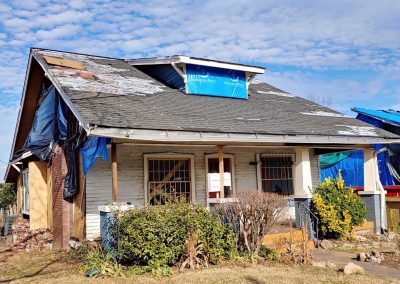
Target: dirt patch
[{"x": 392, "y": 260}]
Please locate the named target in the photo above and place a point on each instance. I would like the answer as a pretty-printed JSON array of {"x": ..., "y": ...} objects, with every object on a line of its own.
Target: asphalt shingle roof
[{"x": 112, "y": 93}]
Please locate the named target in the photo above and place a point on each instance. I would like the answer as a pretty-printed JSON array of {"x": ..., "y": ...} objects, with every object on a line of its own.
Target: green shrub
[
  {"x": 338, "y": 208},
  {"x": 155, "y": 236},
  {"x": 8, "y": 195},
  {"x": 268, "y": 254},
  {"x": 101, "y": 264}
]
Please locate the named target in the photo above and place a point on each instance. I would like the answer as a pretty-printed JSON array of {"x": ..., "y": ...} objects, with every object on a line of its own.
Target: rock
[
  {"x": 389, "y": 245},
  {"x": 352, "y": 268},
  {"x": 375, "y": 244},
  {"x": 391, "y": 236},
  {"x": 347, "y": 246},
  {"x": 74, "y": 244},
  {"x": 324, "y": 264},
  {"x": 376, "y": 253},
  {"x": 360, "y": 238},
  {"x": 361, "y": 256},
  {"x": 320, "y": 264},
  {"x": 375, "y": 259},
  {"x": 326, "y": 244}
]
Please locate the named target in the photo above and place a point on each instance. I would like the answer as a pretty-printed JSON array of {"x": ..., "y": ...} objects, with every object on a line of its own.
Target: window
[
  {"x": 25, "y": 192},
  {"x": 169, "y": 180},
  {"x": 213, "y": 176},
  {"x": 277, "y": 173}
]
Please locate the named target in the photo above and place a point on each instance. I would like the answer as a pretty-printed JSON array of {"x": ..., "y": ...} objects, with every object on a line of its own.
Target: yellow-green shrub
[{"x": 338, "y": 207}]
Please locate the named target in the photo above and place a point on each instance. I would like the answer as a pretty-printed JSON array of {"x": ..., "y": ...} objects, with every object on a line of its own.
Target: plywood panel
[
  {"x": 64, "y": 62},
  {"x": 38, "y": 195}
]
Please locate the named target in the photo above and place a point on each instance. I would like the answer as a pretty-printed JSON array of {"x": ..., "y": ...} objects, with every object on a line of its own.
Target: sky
[{"x": 348, "y": 51}]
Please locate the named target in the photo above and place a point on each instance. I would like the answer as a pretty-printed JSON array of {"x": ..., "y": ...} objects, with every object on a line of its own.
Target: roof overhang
[
  {"x": 173, "y": 136},
  {"x": 180, "y": 59}
]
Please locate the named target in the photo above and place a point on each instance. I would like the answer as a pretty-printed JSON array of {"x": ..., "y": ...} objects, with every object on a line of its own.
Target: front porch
[{"x": 147, "y": 174}]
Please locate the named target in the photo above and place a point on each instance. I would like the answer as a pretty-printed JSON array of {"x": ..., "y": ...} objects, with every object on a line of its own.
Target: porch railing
[{"x": 309, "y": 219}]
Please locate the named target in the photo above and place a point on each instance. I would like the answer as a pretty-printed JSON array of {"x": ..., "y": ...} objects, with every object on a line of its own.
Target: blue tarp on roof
[{"x": 391, "y": 116}]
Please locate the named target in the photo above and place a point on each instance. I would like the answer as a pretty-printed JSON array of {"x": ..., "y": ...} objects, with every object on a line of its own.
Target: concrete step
[
  {"x": 272, "y": 240},
  {"x": 297, "y": 235},
  {"x": 366, "y": 228}
]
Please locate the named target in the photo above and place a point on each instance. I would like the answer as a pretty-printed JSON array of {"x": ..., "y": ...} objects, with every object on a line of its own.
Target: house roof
[
  {"x": 177, "y": 59},
  {"x": 111, "y": 93},
  {"x": 387, "y": 116}
]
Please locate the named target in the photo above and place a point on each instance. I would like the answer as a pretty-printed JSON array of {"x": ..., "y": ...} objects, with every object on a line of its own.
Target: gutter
[{"x": 155, "y": 135}]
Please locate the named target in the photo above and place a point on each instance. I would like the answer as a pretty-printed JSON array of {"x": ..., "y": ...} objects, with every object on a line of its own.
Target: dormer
[{"x": 199, "y": 76}]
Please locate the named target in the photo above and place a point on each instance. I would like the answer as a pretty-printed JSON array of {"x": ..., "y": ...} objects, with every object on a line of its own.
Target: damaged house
[{"x": 93, "y": 131}]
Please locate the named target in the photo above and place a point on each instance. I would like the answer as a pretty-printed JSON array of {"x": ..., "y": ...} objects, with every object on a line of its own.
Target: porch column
[
  {"x": 302, "y": 185},
  {"x": 221, "y": 171},
  {"x": 372, "y": 195},
  {"x": 114, "y": 171},
  {"x": 370, "y": 171},
  {"x": 302, "y": 175}
]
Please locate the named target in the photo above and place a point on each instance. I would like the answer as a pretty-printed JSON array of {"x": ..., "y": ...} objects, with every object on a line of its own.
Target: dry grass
[{"x": 54, "y": 267}]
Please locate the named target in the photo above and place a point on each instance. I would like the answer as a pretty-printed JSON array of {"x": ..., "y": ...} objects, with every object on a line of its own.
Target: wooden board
[{"x": 64, "y": 62}]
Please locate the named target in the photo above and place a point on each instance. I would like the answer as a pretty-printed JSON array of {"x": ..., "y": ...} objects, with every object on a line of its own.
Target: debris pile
[
  {"x": 23, "y": 238},
  {"x": 373, "y": 256}
]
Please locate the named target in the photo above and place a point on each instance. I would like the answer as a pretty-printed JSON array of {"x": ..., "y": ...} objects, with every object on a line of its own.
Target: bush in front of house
[
  {"x": 8, "y": 196},
  {"x": 338, "y": 208},
  {"x": 253, "y": 214},
  {"x": 156, "y": 236}
]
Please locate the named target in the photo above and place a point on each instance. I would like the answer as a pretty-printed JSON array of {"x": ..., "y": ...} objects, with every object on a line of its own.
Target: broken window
[
  {"x": 169, "y": 180},
  {"x": 277, "y": 173}
]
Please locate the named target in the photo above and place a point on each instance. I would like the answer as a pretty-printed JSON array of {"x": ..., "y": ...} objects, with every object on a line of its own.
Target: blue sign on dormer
[{"x": 219, "y": 82}]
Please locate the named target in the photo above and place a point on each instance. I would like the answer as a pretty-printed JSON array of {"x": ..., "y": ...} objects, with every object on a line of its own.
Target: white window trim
[
  {"x": 177, "y": 156},
  {"x": 259, "y": 164},
  {"x": 26, "y": 212},
  {"x": 233, "y": 176}
]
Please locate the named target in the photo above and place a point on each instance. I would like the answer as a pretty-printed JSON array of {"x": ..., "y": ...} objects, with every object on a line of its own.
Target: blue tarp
[
  {"x": 352, "y": 169},
  {"x": 94, "y": 147},
  {"x": 48, "y": 128},
  {"x": 218, "y": 82},
  {"x": 385, "y": 115}
]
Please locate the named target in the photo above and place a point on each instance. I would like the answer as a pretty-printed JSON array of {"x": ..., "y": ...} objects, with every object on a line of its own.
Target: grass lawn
[{"x": 55, "y": 267}]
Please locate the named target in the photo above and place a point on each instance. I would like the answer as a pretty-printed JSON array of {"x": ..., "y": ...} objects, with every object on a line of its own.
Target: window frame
[
  {"x": 25, "y": 192},
  {"x": 259, "y": 169},
  {"x": 233, "y": 175},
  {"x": 147, "y": 157}
]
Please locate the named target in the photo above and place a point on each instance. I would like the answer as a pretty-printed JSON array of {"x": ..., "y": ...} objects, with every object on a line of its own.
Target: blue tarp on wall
[
  {"x": 352, "y": 169},
  {"x": 94, "y": 147},
  {"x": 48, "y": 127},
  {"x": 218, "y": 82}
]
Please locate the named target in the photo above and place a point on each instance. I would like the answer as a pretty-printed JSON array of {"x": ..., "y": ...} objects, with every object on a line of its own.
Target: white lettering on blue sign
[{"x": 211, "y": 81}]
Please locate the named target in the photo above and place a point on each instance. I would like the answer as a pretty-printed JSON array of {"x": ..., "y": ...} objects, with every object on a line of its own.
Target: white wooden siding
[{"x": 130, "y": 176}]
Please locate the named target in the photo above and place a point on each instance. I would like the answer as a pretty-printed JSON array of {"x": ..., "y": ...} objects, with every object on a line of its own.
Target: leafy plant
[
  {"x": 155, "y": 236},
  {"x": 194, "y": 255},
  {"x": 253, "y": 215},
  {"x": 8, "y": 195},
  {"x": 269, "y": 254},
  {"x": 102, "y": 264},
  {"x": 338, "y": 207}
]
